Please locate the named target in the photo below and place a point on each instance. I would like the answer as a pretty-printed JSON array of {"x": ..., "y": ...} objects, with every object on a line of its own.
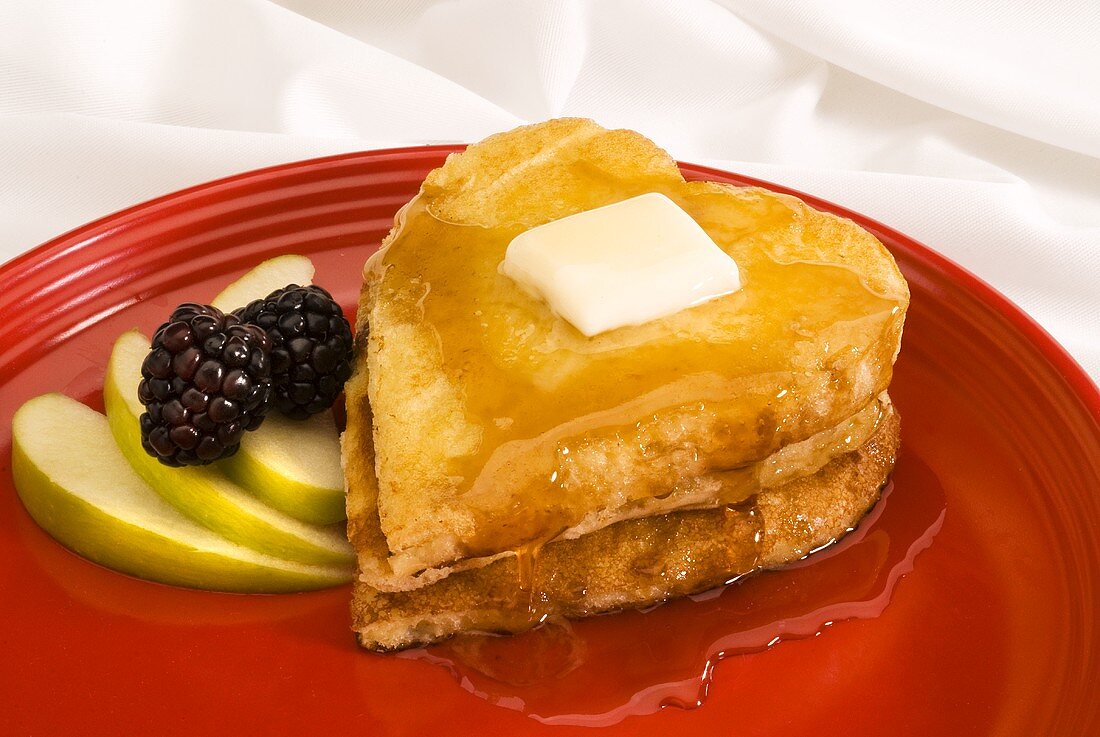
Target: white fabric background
[{"x": 972, "y": 125}]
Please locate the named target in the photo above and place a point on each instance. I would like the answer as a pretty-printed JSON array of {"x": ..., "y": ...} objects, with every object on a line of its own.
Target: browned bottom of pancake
[{"x": 636, "y": 563}]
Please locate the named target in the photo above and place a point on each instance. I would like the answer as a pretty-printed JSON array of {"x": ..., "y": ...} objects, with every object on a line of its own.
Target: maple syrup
[
  {"x": 666, "y": 655},
  {"x": 800, "y": 348}
]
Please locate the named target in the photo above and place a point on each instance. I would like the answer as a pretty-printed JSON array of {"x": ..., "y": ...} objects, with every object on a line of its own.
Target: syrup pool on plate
[{"x": 665, "y": 656}]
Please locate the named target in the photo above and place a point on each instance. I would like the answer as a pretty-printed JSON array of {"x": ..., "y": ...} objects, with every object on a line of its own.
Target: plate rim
[{"x": 59, "y": 259}]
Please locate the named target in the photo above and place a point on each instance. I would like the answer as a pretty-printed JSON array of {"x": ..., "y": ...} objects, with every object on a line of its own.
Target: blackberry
[
  {"x": 206, "y": 380},
  {"x": 310, "y": 347}
]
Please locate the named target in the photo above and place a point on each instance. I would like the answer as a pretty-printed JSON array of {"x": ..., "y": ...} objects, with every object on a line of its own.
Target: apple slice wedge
[
  {"x": 205, "y": 493},
  {"x": 274, "y": 273},
  {"x": 293, "y": 466},
  {"x": 290, "y": 465},
  {"x": 78, "y": 487}
]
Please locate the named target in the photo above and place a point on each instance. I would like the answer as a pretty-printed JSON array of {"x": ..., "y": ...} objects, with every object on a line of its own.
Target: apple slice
[
  {"x": 292, "y": 466},
  {"x": 78, "y": 487},
  {"x": 205, "y": 493},
  {"x": 275, "y": 273}
]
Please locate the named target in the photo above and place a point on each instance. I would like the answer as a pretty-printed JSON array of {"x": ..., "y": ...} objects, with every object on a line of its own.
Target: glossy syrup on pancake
[
  {"x": 533, "y": 387},
  {"x": 665, "y": 656}
]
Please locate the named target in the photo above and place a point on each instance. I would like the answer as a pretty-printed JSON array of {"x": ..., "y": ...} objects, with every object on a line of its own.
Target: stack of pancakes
[{"x": 501, "y": 467}]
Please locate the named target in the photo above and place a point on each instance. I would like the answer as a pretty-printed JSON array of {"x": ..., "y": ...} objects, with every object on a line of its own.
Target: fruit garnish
[
  {"x": 205, "y": 493},
  {"x": 205, "y": 382},
  {"x": 293, "y": 466},
  {"x": 311, "y": 348},
  {"x": 79, "y": 486}
]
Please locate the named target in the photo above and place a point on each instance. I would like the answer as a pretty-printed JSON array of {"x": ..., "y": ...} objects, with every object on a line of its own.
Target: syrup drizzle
[
  {"x": 750, "y": 509},
  {"x": 666, "y": 656},
  {"x": 533, "y": 391},
  {"x": 529, "y": 599}
]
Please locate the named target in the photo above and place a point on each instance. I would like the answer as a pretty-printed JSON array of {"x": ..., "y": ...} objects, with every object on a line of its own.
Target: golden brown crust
[
  {"x": 409, "y": 517},
  {"x": 637, "y": 563}
]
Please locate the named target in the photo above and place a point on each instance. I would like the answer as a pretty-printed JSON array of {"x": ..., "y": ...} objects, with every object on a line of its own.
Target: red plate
[{"x": 993, "y": 631}]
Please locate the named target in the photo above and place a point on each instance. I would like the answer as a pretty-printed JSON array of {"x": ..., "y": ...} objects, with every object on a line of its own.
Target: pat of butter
[{"x": 623, "y": 264}]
